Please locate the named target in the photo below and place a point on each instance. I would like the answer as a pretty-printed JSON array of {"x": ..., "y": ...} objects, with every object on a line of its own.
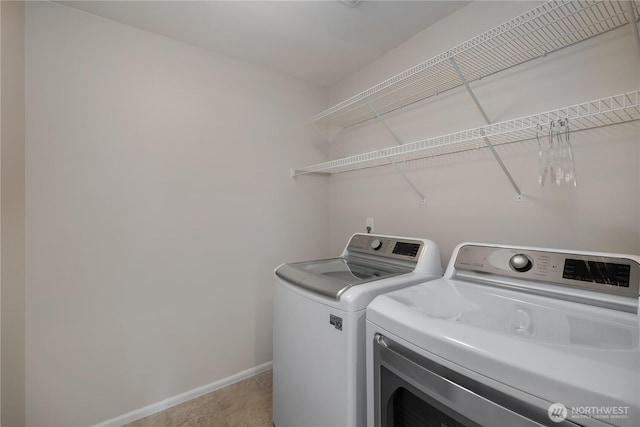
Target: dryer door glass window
[{"x": 408, "y": 410}]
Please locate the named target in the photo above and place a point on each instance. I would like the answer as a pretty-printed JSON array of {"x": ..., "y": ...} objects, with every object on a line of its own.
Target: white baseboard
[{"x": 183, "y": 397}]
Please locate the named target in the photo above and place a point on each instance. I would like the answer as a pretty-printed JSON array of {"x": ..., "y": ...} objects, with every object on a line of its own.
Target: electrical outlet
[{"x": 370, "y": 225}]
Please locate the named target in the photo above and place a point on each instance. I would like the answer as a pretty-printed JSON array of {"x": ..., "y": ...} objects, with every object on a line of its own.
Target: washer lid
[
  {"x": 332, "y": 277},
  {"x": 560, "y": 351}
]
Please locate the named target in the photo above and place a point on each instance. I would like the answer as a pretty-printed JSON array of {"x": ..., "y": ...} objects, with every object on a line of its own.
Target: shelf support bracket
[
  {"x": 406, "y": 178},
  {"x": 375, "y": 113},
  {"x": 393, "y": 163},
  {"x": 631, "y": 16},
  {"x": 486, "y": 140},
  {"x": 328, "y": 138}
]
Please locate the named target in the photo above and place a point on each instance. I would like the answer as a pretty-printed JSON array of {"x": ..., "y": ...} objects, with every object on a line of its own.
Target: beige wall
[
  {"x": 468, "y": 196},
  {"x": 12, "y": 201},
  {"x": 158, "y": 203}
]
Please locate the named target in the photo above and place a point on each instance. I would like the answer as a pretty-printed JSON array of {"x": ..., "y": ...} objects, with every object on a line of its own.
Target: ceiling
[{"x": 320, "y": 42}]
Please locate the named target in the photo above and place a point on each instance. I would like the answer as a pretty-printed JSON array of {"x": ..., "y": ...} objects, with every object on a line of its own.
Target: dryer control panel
[{"x": 604, "y": 273}]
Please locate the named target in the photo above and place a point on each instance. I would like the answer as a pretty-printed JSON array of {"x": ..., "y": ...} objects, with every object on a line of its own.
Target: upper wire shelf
[
  {"x": 588, "y": 115},
  {"x": 535, "y": 33}
]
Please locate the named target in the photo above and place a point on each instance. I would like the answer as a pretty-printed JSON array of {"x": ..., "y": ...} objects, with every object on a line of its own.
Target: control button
[
  {"x": 520, "y": 262},
  {"x": 376, "y": 244}
]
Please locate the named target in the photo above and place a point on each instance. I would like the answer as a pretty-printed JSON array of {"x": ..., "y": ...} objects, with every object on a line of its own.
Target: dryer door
[{"x": 413, "y": 391}]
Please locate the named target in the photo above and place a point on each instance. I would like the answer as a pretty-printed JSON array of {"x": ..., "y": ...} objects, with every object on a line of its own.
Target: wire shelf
[
  {"x": 588, "y": 115},
  {"x": 533, "y": 34}
]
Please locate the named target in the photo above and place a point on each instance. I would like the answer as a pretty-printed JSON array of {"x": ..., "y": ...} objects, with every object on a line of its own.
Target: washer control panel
[
  {"x": 616, "y": 275},
  {"x": 391, "y": 247}
]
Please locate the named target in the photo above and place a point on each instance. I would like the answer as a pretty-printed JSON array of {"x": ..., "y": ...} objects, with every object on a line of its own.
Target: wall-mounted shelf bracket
[
  {"x": 631, "y": 16},
  {"x": 484, "y": 138},
  {"x": 381, "y": 120},
  {"x": 411, "y": 184},
  {"x": 321, "y": 132},
  {"x": 328, "y": 133},
  {"x": 393, "y": 163},
  {"x": 329, "y": 137}
]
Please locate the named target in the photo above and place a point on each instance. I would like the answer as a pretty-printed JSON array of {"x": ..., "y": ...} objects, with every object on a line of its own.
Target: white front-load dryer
[
  {"x": 319, "y": 326},
  {"x": 510, "y": 336}
]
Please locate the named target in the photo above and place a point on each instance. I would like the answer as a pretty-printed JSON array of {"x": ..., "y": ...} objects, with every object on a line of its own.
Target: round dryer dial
[{"x": 520, "y": 262}]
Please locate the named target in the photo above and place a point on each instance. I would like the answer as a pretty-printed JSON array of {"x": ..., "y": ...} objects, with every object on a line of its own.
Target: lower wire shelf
[{"x": 606, "y": 111}]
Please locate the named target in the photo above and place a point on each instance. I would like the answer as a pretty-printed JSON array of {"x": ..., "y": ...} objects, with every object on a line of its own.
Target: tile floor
[{"x": 244, "y": 404}]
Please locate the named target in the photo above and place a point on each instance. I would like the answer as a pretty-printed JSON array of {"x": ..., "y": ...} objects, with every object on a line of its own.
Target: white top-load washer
[
  {"x": 319, "y": 326},
  {"x": 510, "y": 336}
]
